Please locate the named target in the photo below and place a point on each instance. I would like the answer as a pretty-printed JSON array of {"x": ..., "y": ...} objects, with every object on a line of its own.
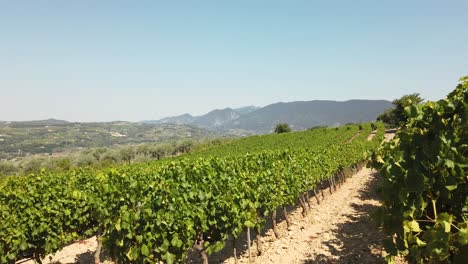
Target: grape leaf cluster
[{"x": 425, "y": 182}]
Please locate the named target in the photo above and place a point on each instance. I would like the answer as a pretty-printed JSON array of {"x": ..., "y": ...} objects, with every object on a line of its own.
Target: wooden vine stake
[
  {"x": 303, "y": 205},
  {"x": 273, "y": 223},
  {"x": 248, "y": 245},
  {"x": 97, "y": 255},
  {"x": 316, "y": 196},
  {"x": 321, "y": 190},
  {"x": 259, "y": 241},
  {"x": 113, "y": 254},
  {"x": 234, "y": 250},
  {"x": 258, "y": 238},
  {"x": 286, "y": 217},
  {"x": 307, "y": 197},
  {"x": 334, "y": 181},
  {"x": 201, "y": 249},
  {"x": 37, "y": 257}
]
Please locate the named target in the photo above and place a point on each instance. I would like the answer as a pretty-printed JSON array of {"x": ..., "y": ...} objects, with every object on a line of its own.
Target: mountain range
[{"x": 299, "y": 115}]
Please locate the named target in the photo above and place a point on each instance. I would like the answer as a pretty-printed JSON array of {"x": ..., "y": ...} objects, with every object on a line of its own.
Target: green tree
[
  {"x": 7, "y": 168},
  {"x": 184, "y": 146},
  {"x": 32, "y": 165},
  {"x": 282, "y": 128},
  {"x": 83, "y": 160},
  {"x": 63, "y": 164},
  {"x": 111, "y": 157},
  {"x": 396, "y": 116},
  {"x": 127, "y": 154}
]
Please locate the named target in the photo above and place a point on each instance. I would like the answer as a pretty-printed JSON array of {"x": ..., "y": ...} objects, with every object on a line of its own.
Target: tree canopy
[
  {"x": 395, "y": 116},
  {"x": 282, "y": 128}
]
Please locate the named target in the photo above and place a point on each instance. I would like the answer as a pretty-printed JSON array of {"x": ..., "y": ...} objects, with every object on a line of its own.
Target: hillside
[
  {"x": 35, "y": 123},
  {"x": 55, "y": 136},
  {"x": 306, "y": 114},
  {"x": 300, "y": 115}
]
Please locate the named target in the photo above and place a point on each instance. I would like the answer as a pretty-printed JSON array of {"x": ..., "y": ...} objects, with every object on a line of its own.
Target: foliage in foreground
[{"x": 425, "y": 185}]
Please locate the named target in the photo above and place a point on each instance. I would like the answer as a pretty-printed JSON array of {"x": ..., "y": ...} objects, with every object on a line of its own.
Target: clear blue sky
[{"x": 137, "y": 60}]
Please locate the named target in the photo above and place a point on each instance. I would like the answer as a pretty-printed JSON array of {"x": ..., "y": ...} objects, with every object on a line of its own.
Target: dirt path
[
  {"x": 371, "y": 135},
  {"x": 339, "y": 230}
]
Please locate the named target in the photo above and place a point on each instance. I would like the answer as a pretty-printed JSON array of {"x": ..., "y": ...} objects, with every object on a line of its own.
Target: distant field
[{"x": 54, "y": 136}]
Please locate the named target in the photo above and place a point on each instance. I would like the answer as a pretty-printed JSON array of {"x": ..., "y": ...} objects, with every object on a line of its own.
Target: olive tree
[{"x": 282, "y": 128}]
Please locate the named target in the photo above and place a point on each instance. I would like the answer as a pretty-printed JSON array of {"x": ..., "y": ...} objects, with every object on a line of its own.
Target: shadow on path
[{"x": 358, "y": 240}]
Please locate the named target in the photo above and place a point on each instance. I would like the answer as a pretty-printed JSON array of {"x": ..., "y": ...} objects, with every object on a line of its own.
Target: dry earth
[
  {"x": 80, "y": 252},
  {"x": 338, "y": 230}
]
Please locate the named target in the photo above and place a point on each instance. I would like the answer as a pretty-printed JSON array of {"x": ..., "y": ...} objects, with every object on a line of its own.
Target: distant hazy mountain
[
  {"x": 46, "y": 122},
  {"x": 217, "y": 118},
  {"x": 246, "y": 109},
  {"x": 306, "y": 114},
  {"x": 299, "y": 115},
  {"x": 181, "y": 119}
]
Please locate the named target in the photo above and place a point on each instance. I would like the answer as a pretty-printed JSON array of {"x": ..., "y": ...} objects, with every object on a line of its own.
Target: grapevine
[{"x": 425, "y": 187}]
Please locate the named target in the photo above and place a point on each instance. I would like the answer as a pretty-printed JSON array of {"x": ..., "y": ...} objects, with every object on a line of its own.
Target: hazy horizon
[
  {"x": 92, "y": 61},
  {"x": 195, "y": 115}
]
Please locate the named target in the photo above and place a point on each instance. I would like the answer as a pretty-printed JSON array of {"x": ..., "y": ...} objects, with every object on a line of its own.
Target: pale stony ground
[
  {"x": 338, "y": 230},
  {"x": 79, "y": 252}
]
